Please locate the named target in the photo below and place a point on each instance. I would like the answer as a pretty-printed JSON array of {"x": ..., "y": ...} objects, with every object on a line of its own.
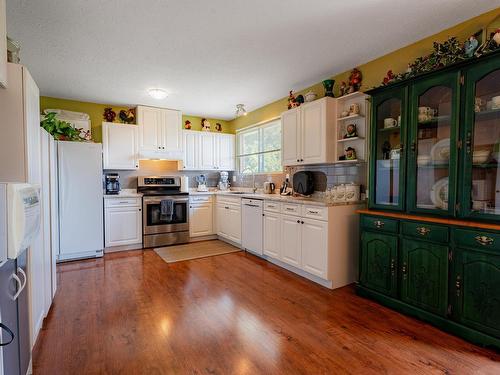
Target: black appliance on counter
[
  {"x": 303, "y": 183},
  {"x": 159, "y": 229},
  {"x": 112, "y": 181}
]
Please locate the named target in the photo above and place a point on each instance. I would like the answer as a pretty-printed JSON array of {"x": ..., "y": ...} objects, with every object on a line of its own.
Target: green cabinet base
[{"x": 443, "y": 323}]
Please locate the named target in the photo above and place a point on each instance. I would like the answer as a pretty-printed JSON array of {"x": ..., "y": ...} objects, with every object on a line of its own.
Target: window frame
[{"x": 260, "y": 153}]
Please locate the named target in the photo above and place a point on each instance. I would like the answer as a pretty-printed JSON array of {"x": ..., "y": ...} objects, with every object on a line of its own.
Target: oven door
[{"x": 154, "y": 222}]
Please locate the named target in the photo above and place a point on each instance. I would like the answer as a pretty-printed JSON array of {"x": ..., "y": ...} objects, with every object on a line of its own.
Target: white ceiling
[{"x": 211, "y": 55}]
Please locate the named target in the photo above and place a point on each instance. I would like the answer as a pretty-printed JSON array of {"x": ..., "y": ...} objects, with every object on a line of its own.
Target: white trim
[{"x": 257, "y": 124}]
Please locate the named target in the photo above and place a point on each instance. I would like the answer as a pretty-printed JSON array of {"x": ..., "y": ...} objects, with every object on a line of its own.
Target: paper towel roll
[{"x": 184, "y": 184}]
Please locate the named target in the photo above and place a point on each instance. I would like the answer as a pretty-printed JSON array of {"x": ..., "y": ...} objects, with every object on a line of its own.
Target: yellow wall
[
  {"x": 375, "y": 70},
  {"x": 95, "y": 111}
]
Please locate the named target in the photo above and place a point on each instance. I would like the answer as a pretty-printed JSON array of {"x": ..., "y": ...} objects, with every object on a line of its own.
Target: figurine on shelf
[
  {"x": 386, "y": 150},
  {"x": 300, "y": 100},
  {"x": 355, "y": 79},
  {"x": 343, "y": 89},
  {"x": 205, "y": 125},
  {"x": 328, "y": 85},
  {"x": 351, "y": 131},
  {"x": 350, "y": 153},
  {"x": 388, "y": 78},
  {"x": 187, "y": 124},
  {"x": 292, "y": 102},
  {"x": 218, "y": 127},
  {"x": 127, "y": 116},
  {"x": 109, "y": 115},
  {"x": 470, "y": 46}
]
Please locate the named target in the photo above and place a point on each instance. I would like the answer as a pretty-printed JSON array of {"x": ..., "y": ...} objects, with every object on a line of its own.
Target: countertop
[
  {"x": 124, "y": 193},
  {"x": 276, "y": 197}
]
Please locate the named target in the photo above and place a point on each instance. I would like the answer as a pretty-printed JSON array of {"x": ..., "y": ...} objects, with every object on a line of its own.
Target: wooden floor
[{"x": 132, "y": 313}]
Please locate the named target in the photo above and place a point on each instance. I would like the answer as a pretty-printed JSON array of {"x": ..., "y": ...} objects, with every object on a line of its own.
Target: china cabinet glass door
[
  {"x": 387, "y": 149},
  {"x": 481, "y": 151},
  {"x": 432, "y": 141}
]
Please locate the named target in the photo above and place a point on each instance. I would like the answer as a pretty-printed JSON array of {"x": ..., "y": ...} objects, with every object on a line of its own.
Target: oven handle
[{"x": 157, "y": 201}]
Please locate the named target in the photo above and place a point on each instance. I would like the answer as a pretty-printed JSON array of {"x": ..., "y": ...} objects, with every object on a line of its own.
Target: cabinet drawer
[
  {"x": 315, "y": 212},
  {"x": 380, "y": 223},
  {"x": 476, "y": 238},
  {"x": 291, "y": 209},
  {"x": 122, "y": 202},
  {"x": 426, "y": 231},
  {"x": 271, "y": 206},
  {"x": 228, "y": 199},
  {"x": 200, "y": 198},
  {"x": 252, "y": 202}
]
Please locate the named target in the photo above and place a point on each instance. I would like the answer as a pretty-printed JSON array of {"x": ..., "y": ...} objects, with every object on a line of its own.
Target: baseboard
[
  {"x": 114, "y": 249},
  {"x": 318, "y": 280},
  {"x": 203, "y": 238},
  {"x": 238, "y": 245}
]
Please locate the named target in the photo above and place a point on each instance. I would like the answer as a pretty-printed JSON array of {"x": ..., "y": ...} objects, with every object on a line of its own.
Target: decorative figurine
[
  {"x": 127, "y": 116},
  {"x": 187, "y": 124},
  {"x": 311, "y": 96},
  {"x": 205, "y": 125},
  {"x": 355, "y": 79},
  {"x": 386, "y": 150},
  {"x": 351, "y": 131},
  {"x": 354, "y": 109},
  {"x": 350, "y": 153},
  {"x": 470, "y": 46},
  {"x": 292, "y": 102},
  {"x": 328, "y": 85},
  {"x": 388, "y": 78},
  {"x": 218, "y": 127},
  {"x": 109, "y": 115},
  {"x": 300, "y": 100},
  {"x": 496, "y": 37},
  {"x": 343, "y": 88}
]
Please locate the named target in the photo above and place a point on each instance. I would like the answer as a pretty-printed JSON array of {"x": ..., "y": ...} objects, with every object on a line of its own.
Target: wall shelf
[
  {"x": 350, "y": 117},
  {"x": 351, "y": 139}
]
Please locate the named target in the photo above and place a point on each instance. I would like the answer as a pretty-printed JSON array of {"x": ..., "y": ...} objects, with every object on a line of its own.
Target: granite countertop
[
  {"x": 316, "y": 201},
  {"x": 124, "y": 193}
]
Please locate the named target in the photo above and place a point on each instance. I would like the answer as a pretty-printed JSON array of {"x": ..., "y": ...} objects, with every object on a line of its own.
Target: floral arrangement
[{"x": 63, "y": 130}]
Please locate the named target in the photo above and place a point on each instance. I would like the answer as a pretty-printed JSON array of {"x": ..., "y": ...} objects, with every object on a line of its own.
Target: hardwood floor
[{"x": 132, "y": 313}]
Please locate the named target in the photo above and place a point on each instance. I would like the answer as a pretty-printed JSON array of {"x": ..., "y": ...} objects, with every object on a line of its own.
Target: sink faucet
[{"x": 254, "y": 189}]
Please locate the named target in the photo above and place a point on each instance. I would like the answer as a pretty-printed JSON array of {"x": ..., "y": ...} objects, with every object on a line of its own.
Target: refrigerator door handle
[
  {"x": 19, "y": 269},
  {"x": 11, "y": 334},
  {"x": 20, "y": 286}
]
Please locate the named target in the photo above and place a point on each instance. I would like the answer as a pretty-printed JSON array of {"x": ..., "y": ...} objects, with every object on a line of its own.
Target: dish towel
[{"x": 167, "y": 209}]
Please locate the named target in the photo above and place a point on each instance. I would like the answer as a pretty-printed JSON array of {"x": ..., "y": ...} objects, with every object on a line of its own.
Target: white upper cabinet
[
  {"x": 308, "y": 133},
  {"x": 3, "y": 45},
  {"x": 208, "y": 151},
  {"x": 120, "y": 146},
  {"x": 160, "y": 133}
]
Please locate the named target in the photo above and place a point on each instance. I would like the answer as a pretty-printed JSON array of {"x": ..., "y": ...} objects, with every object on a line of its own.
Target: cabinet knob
[
  {"x": 404, "y": 270},
  {"x": 298, "y": 160},
  {"x": 301, "y": 222},
  {"x": 140, "y": 209},
  {"x": 393, "y": 267},
  {"x": 378, "y": 223},
  {"x": 298, "y": 221}
]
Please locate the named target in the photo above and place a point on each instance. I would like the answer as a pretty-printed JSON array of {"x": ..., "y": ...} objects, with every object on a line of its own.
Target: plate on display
[
  {"x": 439, "y": 194},
  {"x": 440, "y": 152}
]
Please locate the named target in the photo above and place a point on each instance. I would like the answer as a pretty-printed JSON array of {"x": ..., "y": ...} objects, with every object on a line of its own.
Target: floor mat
[{"x": 195, "y": 250}]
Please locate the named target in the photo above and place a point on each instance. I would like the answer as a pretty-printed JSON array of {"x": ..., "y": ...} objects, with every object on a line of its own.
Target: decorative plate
[
  {"x": 439, "y": 193},
  {"x": 440, "y": 152}
]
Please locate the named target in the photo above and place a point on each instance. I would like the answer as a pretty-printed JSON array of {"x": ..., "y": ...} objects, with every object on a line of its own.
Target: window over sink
[{"x": 259, "y": 148}]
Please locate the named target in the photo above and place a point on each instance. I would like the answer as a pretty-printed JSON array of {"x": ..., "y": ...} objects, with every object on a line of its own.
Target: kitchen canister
[
  {"x": 339, "y": 193},
  {"x": 352, "y": 192}
]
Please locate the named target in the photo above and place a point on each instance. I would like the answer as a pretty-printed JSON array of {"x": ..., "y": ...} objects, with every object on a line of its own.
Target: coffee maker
[{"x": 112, "y": 183}]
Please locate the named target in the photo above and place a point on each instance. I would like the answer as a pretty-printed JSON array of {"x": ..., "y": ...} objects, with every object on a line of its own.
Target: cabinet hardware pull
[
  {"x": 313, "y": 212},
  {"x": 123, "y": 202},
  {"x": 458, "y": 285},
  {"x": 298, "y": 159},
  {"x": 423, "y": 231},
  {"x": 298, "y": 221},
  {"x": 468, "y": 143},
  {"x": 289, "y": 209},
  {"x": 404, "y": 270},
  {"x": 393, "y": 267},
  {"x": 11, "y": 334},
  {"x": 227, "y": 208},
  {"x": 140, "y": 209},
  {"x": 483, "y": 240},
  {"x": 414, "y": 146},
  {"x": 378, "y": 223},
  {"x": 301, "y": 222}
]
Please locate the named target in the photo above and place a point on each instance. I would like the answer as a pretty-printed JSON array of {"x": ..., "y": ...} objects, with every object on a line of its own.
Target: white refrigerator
[{"x": 79, "y": 167}]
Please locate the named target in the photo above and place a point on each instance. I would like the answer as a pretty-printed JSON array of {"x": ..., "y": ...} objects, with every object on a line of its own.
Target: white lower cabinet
[
  {"x": 122, "y": 221},
  {"x": 291, "y": 240},
  {"x": 201, "y": 219},
  {"x": 228, "y": 218},
  {"x": 272, "y": 238},
  {"x": 314, "y": 247}
]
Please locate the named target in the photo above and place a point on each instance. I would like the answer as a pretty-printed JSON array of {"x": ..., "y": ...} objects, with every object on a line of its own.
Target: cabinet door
[
  {"x": 290, "y": 137},
  {"x": 171, "y": 131},
  {"x": 150, "y": 122},
  {"x": 225, "y": 152},
  {"x": 480, "y": 193},
  {"x": 221, "y": 222},
  {"x": 123, "y": 226},
  {"x": 200, "y": 220},
  {"x": 119, "y": 146},
  {"x": 432, "y": 161},
  {"x": 476, "y": 290},
  {"x": 379, "y": 262},
  {"x": 3, "y": 45},
  {"x": 315, "y": 247},
  {"x": 424, "y": 275},
  {"x": 207, "y": 151},
  {"x": 312, "y": 132},
  {"x": 191, "y": 150},
  {"x": 234, "y": 222},
  {"x": 388, "y": 129},
  {"x": 272, "y": 235},
  {"x": 291, "y": 240}
]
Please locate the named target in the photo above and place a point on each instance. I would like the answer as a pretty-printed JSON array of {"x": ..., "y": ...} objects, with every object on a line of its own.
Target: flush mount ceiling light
[
  {"x": 157, "y": 93},
  {"x": 240, "y": 110}
]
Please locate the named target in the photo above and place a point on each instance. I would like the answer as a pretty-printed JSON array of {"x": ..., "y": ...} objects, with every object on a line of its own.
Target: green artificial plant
[{"x": 60, "y": 130}]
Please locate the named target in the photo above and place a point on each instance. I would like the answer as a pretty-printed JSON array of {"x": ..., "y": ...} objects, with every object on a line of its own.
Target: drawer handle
[
  {"x": 484, "y": 240},
  {"x": 271, "y": 206},
  {"x": 423, "y": 231},
  {"x": 290, "y": 209},
  {"x": 123, "y": 202},
  {"x": 313, "y": 212},
  {"x": 404, "y": 270},
  {"x": 227, "y": 208},
  {"x": 393, "y": 267},
  {"x": 458, "y": 285},
  {"x": 378, "y": 223}
]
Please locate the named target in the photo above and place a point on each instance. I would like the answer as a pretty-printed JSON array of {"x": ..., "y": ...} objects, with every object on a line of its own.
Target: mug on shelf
[
  {"x": 389, "y": 122},
  {"x": 354, "y": 109}
]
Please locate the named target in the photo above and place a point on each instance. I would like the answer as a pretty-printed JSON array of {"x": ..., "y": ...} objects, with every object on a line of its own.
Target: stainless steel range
[{"x": 165, "y": 217}]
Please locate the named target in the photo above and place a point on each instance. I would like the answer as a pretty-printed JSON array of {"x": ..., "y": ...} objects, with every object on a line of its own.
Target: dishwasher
[{"x": 252, "y": 225}]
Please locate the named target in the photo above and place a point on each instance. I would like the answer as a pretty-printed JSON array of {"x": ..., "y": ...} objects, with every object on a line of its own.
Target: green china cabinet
[{"x": 430, "y": 238}]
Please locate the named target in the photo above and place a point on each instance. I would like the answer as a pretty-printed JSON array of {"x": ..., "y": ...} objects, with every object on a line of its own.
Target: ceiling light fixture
[
  {"x": 157, "y": 93},
  {"x": 240, "y": 110}
]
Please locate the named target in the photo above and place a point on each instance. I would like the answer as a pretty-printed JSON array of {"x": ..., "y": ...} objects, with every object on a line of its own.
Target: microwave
[{"x": 20, "y": 217}]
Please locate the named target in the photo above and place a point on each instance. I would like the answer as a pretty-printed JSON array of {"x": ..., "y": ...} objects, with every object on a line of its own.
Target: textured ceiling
[{"x": 211, "y": 55}]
